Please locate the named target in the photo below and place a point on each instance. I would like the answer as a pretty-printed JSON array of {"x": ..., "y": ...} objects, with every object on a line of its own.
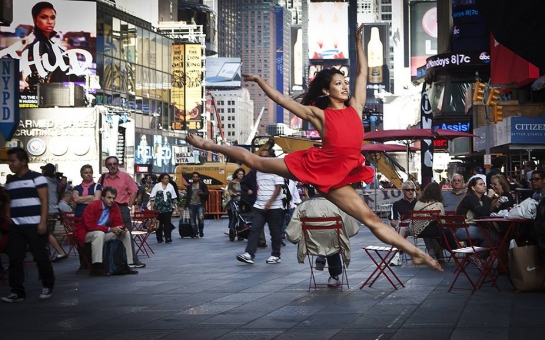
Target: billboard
[
  {"x": 160, "y": 153},
  {"x": 67, "y": 138},
  {"x": 423, "y": 33},
  {"x": 186, "y": 87},
  {"x": 59, "y": 48},
  {"x": 375, "y": 45},
  {"x": 223, "y": 72},
  {"x": 328, "y": 30}
]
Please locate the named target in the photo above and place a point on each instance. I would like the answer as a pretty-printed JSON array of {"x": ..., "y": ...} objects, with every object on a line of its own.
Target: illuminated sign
[
  {"x": 59, "y": 51},
  {"x": 423, "y": 33},
  {"x": 452, "y": 60},
  {"x": 328, "y": 30}
]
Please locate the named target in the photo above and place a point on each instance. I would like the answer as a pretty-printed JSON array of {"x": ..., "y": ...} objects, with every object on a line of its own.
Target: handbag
[
  {"x": 526, "y": 268},
  {"x": 225, "y": 199},
  {"x": 527, "y": 209}
]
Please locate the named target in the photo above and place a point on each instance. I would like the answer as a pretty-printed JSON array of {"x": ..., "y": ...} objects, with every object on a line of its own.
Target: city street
[{"x": 196, "y": 289}]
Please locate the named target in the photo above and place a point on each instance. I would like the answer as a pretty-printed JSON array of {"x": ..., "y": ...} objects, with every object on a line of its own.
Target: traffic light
[
  {"x": 493, "y": 97},
  {"x": 497, "y": 115},
  {"x": 478, "y": 92}
]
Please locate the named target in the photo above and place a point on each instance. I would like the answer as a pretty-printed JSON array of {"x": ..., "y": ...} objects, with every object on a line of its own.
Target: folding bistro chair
[
  {"x": 70, "y": 223},
  {"x": 331, "y": 226},
  {"x": 469, "y": 255},
  {"x": 142, "y": 227},
  {"x": 381, "y": 257}
]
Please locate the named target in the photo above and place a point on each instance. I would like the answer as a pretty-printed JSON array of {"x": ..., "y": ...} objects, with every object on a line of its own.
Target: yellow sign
[
  {"x": 178, "y": 80},
  {"x": 193, "y": 86}
]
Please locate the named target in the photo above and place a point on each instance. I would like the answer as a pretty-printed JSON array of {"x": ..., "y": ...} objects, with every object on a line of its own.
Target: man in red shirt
[
  {"x": 126, "y": 196},
  {"x": 101, "y": 222}
]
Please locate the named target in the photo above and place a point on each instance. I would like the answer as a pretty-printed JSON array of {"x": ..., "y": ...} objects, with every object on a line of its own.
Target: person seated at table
[
  {"x": 537, "y": 179},
  {"x": 475, "y": 204},
  {"x": 101, "y": 222},
  {"x": 502, "y": 198},
  {"x": 432, "y": 199},
  {"x": 318, "y": 206}
]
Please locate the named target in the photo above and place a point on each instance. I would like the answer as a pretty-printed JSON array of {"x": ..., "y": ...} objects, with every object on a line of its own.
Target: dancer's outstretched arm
[
  {"x": 312, "y": 114},
  {"x": 359, "y": 93}
]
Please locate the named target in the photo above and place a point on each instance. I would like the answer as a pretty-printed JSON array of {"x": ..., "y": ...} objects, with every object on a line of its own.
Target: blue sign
[
  {"x": 527, "y": 130},
  {"x": 9, "y": 97}
]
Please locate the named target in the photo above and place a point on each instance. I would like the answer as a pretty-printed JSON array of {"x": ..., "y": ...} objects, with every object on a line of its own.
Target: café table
[{"x": 490, "y": 224}]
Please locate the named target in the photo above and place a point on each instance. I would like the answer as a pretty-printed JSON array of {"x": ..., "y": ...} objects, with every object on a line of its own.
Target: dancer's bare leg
[
  {"x": 350, "y": 202},
  {"x": 263, "y": 164}
]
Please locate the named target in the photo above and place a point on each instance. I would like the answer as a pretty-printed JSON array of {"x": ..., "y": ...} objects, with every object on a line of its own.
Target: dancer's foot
[
  {"x": 423, "y": 258},
  {"x": 197, "y": 141}
]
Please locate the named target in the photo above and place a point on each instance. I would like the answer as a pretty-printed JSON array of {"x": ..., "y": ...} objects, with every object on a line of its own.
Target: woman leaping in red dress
[{"x": 331, "y": 168}]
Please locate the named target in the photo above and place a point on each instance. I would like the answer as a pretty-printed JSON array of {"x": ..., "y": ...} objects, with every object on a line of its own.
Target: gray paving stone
[{"x": 196, "y": 289}]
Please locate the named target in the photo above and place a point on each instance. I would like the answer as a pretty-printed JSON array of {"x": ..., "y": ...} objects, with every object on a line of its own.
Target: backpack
[
  {"x": 287, "y": 194},
  {"x": 114, "y": 258}
]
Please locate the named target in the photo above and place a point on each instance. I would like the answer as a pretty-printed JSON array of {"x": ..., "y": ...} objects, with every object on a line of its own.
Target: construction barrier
[{"x": 213, "y": 205}]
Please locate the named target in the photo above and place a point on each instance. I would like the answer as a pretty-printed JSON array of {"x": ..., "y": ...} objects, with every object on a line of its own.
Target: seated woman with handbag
[{"x": 432, "y": 200}]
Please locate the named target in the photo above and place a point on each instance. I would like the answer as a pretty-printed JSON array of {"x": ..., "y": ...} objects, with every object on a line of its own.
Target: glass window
[
  {"x": 100, "y": 33},
  {"x": 100, "y": 67},
  {"x": 116, "y": 74},
  {"x": 139, "y": 84},
  {"x": 166, "y": 54},
  {"x": 108, "y": 73},
  {"x": 158, "y": 52},
  {"x": 145, "y": 48},
  {"x": 152, "y": 54},
  {"x": 108, "y": 35},
  {"x": 116, "y": 38},
  {"x": 139, "y": 45}
]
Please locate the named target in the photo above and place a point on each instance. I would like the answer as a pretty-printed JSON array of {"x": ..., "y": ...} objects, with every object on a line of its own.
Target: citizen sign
[{"x": 529, "y": 127}]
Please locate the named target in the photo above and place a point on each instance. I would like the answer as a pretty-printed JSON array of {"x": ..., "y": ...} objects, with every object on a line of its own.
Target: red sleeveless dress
[{"x": 338, "y": 162}]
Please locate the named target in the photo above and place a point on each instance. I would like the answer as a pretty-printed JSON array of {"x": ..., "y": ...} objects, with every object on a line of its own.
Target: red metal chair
[
  {"x": 332, "y": 228},
  {"x": 70, "y": 223},
  {"x": 468, "y": 255},
  {"x": 381, "y": 262},
  {"x": 143, "y": 223}
]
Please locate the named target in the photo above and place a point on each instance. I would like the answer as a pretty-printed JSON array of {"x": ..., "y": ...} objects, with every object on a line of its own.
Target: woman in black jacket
[{"x": 476, "y": 203}]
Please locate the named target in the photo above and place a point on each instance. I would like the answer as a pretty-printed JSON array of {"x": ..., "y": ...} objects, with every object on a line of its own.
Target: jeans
[
  {"x": 196, "y": 216},
  {"x": 273, "y": 217},
  {"x": 475, "y": 233},
  {"x": 19, "y": 237},
  {"x": 233, "y": 216},
  {"x": 334, "y": 264},
  {"x": 434, "y": 230},
  {"x": 287, "y": 219}
]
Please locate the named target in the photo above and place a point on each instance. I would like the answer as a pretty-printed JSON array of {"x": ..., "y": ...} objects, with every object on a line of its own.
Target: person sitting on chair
[
  {"x": 318, "y": 206},
  {"x": 101, "y": 222}
]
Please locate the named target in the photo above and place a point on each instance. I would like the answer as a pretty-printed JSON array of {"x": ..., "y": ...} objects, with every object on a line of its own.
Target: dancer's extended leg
[
  {"x": 263, "y": 164},
  {"x": 350, "y": 202}
]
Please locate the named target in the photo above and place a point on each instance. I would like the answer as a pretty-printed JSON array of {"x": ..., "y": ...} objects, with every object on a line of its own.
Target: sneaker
[
  {"x": 246, "y": 258},
  {"x": 320, "y": 263},
  {"x": 273, "y": 260},
  {"x": 333, "y": 281},
  {"x": 13, "y": 297},
  {"x": 59, "y": 258},
  {"x": 137, "y": 264},
  {"x": 396, "y": 261},
  {"x": 46, "y": 293}
]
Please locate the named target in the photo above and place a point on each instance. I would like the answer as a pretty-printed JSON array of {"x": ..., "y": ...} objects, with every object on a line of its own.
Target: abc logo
[{"x": 484, "y": 57}]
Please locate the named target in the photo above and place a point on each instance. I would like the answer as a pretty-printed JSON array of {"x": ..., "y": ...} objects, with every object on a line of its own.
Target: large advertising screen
[
  {"x": 52, "y": 136},
  {"x": 161, "y": 153},
  {"x": 223, "y": 72},
  {"x": 186, "y": 87},
  {"x": 328, "y": 30},
  {"x": 54, "y": 44},
  {"x": 423, "y": 33}
]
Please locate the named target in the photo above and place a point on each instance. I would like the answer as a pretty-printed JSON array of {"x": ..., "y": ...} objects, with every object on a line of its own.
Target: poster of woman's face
[{"x": 53, "y": 43}]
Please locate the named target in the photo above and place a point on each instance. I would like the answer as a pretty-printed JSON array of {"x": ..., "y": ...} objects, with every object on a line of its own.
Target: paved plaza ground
[{"x": 196, "y": 289}]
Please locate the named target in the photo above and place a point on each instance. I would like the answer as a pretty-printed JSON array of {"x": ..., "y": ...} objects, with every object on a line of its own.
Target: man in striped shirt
[{"x": 28, "y": 211}]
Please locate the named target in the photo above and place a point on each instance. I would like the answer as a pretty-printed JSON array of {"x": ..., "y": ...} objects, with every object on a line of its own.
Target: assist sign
[{"x": 9, "y": 97}]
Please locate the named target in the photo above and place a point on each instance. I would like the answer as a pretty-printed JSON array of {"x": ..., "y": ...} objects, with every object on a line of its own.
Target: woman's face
[
  {"x": 240, "y": 175},
  {"x": 496, "y": 185},
  {"x": 480, "y": 187},
  {"x": 165, "y": 179},
  {"x": 87, "y": 175},
  {"x": 338, "y": 88},
  {"x": 45, "y": 20}
]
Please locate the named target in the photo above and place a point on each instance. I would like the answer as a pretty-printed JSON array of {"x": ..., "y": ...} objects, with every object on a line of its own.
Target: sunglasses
[
  {"x": 535, "y": 179},
  {"x": 108, "y": 164},
  {"x": 409, "y": 189}
]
